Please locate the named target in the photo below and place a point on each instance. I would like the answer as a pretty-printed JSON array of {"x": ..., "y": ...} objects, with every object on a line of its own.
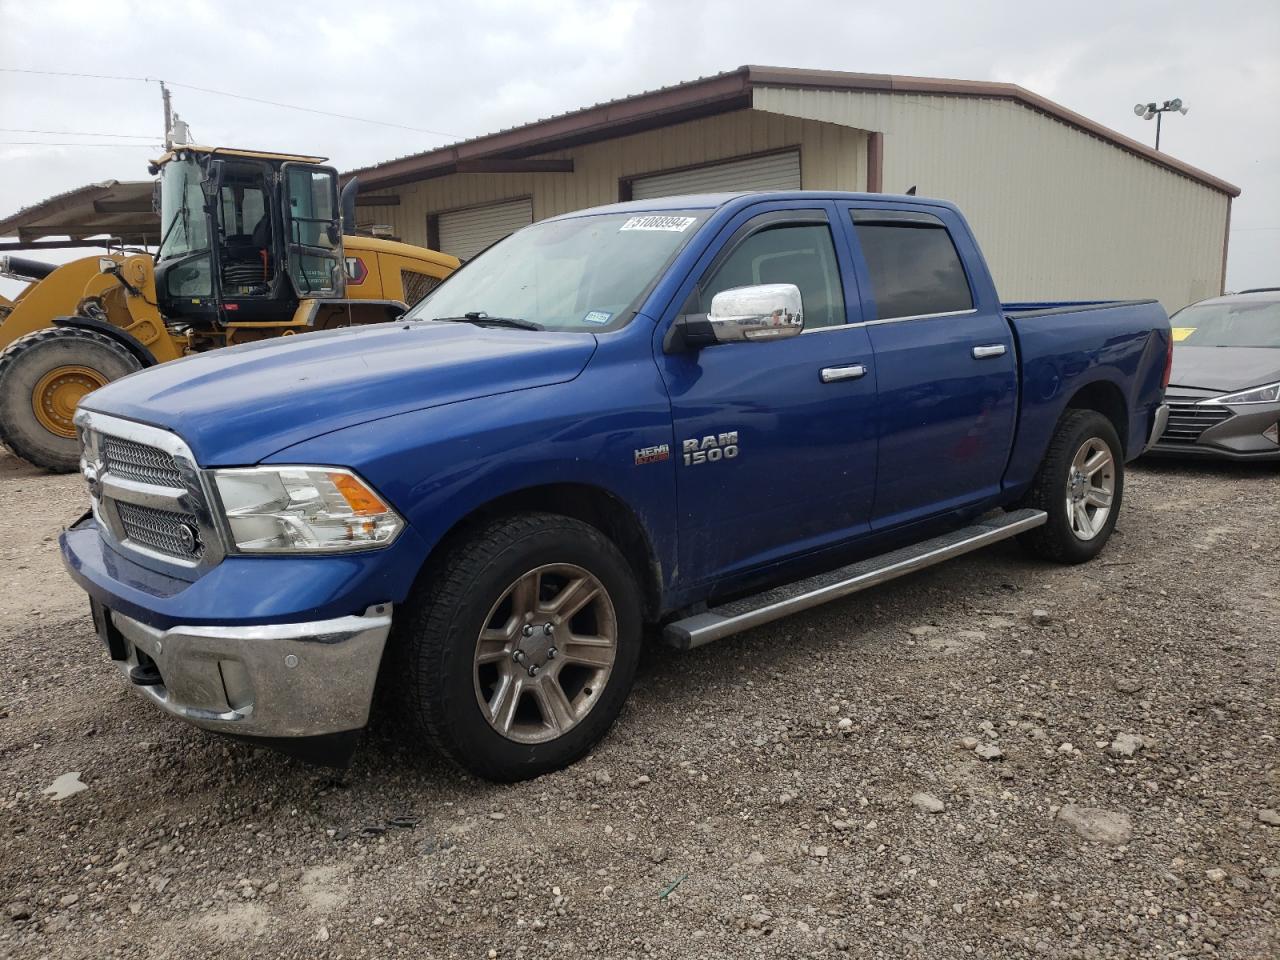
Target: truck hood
[
  {"x": 239, "y": 405},
  {"x": 1224, "y": 368}
]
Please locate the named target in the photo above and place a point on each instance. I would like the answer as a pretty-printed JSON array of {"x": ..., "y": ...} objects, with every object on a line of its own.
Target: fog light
[{"x": 1272, "y": 432}]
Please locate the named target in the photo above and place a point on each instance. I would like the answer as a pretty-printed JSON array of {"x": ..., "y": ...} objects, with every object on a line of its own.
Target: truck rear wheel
[
  {"x": 1080, "y": 486},
  {"x": 43, "y": 377},
  {"x": 522, "y": 646}
]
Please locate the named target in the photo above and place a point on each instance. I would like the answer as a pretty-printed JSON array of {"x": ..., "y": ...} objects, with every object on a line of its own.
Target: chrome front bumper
[{"x": 274, "y": 681}]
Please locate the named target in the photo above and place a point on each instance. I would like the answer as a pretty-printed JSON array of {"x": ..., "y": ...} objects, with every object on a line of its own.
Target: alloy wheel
[
  {"x": 1091, "y": 488},
  {"x": 545, "y": 652}
]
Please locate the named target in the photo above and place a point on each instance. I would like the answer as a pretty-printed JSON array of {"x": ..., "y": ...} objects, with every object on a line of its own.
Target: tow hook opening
[{"x": 146, "y": 673}]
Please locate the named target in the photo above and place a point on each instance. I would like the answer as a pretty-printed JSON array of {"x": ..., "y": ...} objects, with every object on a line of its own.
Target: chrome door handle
[
  {"x": 852, "y": 372},
  {"x": 989, "y": 350}
]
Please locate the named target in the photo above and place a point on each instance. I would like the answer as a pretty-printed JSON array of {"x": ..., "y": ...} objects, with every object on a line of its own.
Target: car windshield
[
  {"x": 182, "y": 221},
  {"x": 1241, "y": 323},
  {"x": 577, "y": 274}
]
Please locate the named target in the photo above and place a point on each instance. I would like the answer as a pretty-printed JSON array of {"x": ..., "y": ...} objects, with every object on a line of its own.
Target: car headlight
[
  {"x": 1268, "y": 394},
  {"x": 303, "y": 509}
]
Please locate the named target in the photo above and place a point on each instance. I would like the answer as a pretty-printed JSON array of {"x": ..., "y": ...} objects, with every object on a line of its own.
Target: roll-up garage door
[
  {"x": 464, "y": 233},
  {"x": 777, "y": 171}
]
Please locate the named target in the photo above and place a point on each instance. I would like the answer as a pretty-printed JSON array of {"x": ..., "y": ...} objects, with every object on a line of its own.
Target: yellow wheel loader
[{"x": 251, "y": 246}]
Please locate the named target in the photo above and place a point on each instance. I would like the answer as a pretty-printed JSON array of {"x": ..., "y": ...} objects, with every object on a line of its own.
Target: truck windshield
[
  {"x": 182, "y": 221},
  {"x": 577, "y": 274},
  {"x": 1240, "y": 324}
]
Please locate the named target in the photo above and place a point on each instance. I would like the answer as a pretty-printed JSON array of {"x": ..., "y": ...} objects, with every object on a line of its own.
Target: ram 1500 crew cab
[{"x": 699, "y": 413}]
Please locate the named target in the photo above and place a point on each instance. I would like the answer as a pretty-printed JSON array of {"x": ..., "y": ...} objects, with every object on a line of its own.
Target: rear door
[
  {"x": 772, "y": 457},
  {"x": 945, "y": 361},
  {"x": 313, "y": 230}
]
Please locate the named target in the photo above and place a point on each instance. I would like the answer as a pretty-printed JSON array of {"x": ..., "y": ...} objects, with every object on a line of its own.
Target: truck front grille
[
  {"x": 171, "y": 533},
  {"x": 1187, "y": 420},
  {"x": 150, "y": 498},
  {"x": 130, "y": 460}
]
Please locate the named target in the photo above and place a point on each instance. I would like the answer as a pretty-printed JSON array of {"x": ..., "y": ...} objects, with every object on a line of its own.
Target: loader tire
[{"x": 43, "y": 377}]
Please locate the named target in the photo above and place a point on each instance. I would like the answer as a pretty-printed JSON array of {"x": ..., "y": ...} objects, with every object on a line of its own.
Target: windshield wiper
[{"x": 480, "y": 318}]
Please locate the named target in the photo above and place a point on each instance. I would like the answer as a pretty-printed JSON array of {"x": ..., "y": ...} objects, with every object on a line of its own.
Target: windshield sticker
[
  {"x": 597, "y": 316},
  {"x": 1181, "y": 333},
  {"x": 669, "y": 224}
]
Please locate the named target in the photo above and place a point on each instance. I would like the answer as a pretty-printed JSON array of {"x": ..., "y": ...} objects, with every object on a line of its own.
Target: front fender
[{"x": 439, "y": 466}]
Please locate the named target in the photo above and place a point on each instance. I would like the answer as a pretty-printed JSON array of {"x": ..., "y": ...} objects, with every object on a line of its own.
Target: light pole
[{"x": 1148, "y": 110}]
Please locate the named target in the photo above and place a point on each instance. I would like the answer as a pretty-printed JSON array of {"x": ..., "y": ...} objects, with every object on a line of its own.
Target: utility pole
[{"x": 168, "y": 117}]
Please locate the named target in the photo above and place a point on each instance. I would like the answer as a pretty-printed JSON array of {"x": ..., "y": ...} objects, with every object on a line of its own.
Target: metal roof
[
  {"x": 120, "y": 209},
  {"x": 721, "y": 93}
]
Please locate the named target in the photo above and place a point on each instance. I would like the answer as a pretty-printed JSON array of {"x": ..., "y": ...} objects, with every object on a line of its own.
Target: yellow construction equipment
[{"x": 251, "y": 246}]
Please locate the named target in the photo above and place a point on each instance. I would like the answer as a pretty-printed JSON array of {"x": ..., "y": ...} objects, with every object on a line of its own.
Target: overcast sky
[{"x": 472, "y": 68}]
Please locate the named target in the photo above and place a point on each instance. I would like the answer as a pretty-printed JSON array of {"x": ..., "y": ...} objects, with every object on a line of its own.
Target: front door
[
  {"x": 313, "y": 230},
  {"x": 772, "y": 457},
  {"x": 946, "y": 364}
]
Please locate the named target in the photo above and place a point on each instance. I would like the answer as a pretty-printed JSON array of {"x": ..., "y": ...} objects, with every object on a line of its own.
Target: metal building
[{"x": 1063, "y": 207}]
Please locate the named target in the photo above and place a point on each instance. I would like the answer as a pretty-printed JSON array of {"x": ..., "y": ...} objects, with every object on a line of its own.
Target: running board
[{"x": 723, "y": 621}]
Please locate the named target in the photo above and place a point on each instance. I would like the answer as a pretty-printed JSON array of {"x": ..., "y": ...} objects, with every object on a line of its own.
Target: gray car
[{"x": 1224, "y": 392}]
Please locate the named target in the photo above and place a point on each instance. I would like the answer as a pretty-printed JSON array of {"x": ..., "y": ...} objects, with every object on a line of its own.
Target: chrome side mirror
[{"x": 768, "y": 311}]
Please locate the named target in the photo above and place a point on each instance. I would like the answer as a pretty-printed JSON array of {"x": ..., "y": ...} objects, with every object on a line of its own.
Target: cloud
[{"x": 474, "y": 68}]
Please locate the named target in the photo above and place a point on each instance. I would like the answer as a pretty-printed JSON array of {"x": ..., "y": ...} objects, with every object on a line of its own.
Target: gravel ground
[{"x": 994, "y": 758}]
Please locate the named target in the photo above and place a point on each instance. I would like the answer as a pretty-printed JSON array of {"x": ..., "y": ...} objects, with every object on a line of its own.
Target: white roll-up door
[
  {"x": 776, "y": 171},
  {"x": 464, "y": 233}
]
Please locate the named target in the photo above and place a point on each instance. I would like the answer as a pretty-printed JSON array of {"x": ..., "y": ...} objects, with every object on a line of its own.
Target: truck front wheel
[
  {"x": 1080, "y": 485},
  {"x": 522, "y": 646}
]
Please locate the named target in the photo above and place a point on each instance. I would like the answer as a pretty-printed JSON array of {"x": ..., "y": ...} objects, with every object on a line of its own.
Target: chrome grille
[
  {"x": 164, "y": 531},
  {"x": 150, "y": 498},
  {"x": 1187, "y": 420},
  {"x": 130, "y": 460}
]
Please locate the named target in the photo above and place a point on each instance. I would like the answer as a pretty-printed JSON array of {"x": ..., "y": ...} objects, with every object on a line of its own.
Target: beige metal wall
[
  {"x": 1060, "y": 214},
  {"x": 832, "y": 157}
]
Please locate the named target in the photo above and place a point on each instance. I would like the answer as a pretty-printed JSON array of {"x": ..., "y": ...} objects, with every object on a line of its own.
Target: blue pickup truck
[{"x": 695, "y": 414}]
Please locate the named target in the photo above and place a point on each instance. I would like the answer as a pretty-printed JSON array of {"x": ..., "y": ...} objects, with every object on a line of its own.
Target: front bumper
[
  {"x": 1234, "y": 433},
  {"x": 274, "y": 683}
]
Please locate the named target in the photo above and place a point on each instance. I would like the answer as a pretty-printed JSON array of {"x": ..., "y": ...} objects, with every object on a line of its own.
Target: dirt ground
[{"x": 1098, "y": 779}]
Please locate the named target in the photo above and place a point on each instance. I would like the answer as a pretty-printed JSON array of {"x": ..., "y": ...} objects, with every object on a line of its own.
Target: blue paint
[{"x": 444, "y": 418}]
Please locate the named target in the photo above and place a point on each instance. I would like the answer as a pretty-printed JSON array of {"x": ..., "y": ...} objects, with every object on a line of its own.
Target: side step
[{"x": 720, "y": 622}]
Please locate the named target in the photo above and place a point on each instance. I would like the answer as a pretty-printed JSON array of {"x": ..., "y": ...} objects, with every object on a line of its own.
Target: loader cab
[{"x": 245, "y": 236}]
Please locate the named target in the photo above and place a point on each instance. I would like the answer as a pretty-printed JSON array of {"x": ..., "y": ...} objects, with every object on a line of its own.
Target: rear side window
[{"x": 913, "y": 264}]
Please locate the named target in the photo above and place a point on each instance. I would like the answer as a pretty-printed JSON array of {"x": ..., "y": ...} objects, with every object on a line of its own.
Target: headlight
[
  {"x": 303, "y": 509},
  {"x": 1267, "y": 394}
]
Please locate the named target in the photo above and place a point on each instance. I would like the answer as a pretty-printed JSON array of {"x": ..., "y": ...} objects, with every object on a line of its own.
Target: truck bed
[{"x": 1089, "y": 345}]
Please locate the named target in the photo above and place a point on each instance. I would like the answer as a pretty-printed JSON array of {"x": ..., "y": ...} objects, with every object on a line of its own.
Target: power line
[
  {"x": 235, "y": 96},
  {"x": 323, "y": 113},
  {"x": 63, "y": 73},
  {"x": 81, "y": 133},
  {"x": 50, "y": 143}
]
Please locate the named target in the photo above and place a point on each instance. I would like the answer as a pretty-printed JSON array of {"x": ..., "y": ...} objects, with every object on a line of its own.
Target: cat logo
[{"x": 710, "y": 449}]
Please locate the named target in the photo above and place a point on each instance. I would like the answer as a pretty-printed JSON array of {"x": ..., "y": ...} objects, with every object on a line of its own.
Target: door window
[
  {"x": 799, "y": 253},
  {"x": 313, "y": 229},
  {"x": 914, "y": 268}
]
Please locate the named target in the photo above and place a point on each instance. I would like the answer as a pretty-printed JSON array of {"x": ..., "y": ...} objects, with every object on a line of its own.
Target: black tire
[
  {"x": 29, "y": 359},
  {"x": 433, "y": 650},
  {"x": 1056, "y": 540}
]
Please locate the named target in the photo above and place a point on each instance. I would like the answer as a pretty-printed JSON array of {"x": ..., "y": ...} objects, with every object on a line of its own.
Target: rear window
[{"x": 914, "y": 267}]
